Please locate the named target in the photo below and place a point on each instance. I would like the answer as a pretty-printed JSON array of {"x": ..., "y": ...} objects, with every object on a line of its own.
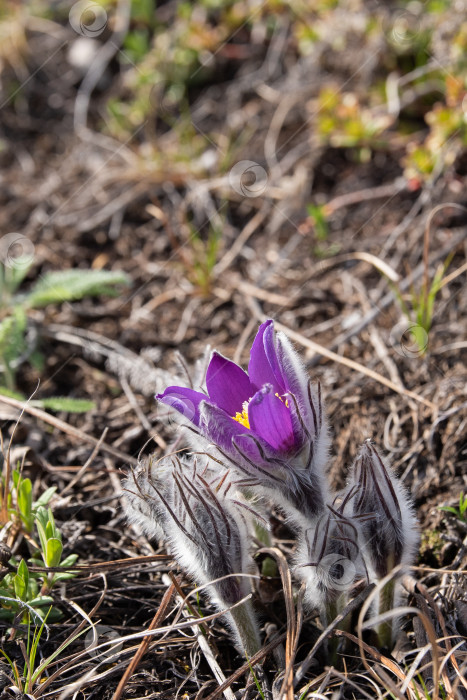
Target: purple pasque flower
[{"x": 269, "y": 423}]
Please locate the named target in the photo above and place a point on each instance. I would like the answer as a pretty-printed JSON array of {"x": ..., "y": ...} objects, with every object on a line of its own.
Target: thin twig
[
  {"x": 299, "y": 338},
  {"x": 68, "y": 429},
  {"x": 143, "y": 647},
  {"x": 202, "y": 641}
]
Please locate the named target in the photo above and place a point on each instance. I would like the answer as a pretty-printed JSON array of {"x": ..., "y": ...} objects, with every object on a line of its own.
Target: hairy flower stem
[
  {"x": 268, "y": 566},
  {"x": 386, "y": 603},
  {"x": 262, "y": 534},
  {"x": 334, "y": 644},
  {"x": 242, "y": 622}
]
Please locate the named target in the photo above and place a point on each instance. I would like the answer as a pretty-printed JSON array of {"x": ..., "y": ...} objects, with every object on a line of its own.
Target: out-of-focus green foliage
[
  {"x": 52, "y": 288},
  {"x": 415, "y": 102}
]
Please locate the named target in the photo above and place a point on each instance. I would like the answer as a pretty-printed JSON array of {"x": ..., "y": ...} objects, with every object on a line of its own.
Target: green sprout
[
  {"x": 25, "y": 586},
  {"x": 420, "y": 310},
  {"x": 31, "y": 677},
  {"x": 460, "y": 511},
  {"x": 204, "y": 258}
]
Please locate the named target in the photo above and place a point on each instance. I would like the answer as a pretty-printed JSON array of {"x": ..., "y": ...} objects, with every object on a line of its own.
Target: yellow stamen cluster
[
  {"x": 243, "y": 416},
  {"x": 286, "y": 401}
]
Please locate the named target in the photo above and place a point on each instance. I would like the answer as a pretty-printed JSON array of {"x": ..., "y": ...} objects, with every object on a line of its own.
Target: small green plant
[
  {"x": 30, "y": 679},
  {"x": 204, "y": 258},
  {"x": 317, "y": 214},
  {"x": 20, "y": 596},
  {"x": 447, "y": 131},
  {"x": 459, "y": 511},
  {"x": 26, "y": 508},
  {"x": 24, "y": 680},
  {"x": 344, "y": 122},
  {"x": 24, "y": 590},
  {"x": 419, "y": 310},
  {"x": 53, "y": 288},
  {"x": 51, "y": 549}
]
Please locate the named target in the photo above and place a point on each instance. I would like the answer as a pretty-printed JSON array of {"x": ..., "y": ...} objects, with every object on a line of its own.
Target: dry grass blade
[
  {"x": 412, "y": 584},
  {"x": 71, "y": 660},
  {"x": 105, "y": 566},
  {"x": 252, "y": 225},
  {"x": 200, "y": 633},
  {"x": 429, "y": 629},
  {"x": 387, "y": 663},
  {"x": 157, "y": 619},
  {"x": 87, "y": 463},
  {"x": 68, "y": 429},
  {"x": 299, "y": 338},
  {"x": 293, "y": 626}
]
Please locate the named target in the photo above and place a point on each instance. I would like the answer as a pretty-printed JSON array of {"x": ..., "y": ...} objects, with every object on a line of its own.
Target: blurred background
[{"x": 173, "y": 173}]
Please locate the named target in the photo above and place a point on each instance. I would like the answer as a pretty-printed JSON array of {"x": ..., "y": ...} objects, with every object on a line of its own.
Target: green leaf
[
  {"x": 52, "y": 528},
  {"x": 13, "y": 275},
  {"x": 317, "y": 213},
  {"x": 72, "y": 285},
  {"x": 53, "y": 552},
  {"x": 44, "y": 498},
  {"x": 33, "y": 588},
  {"x": 4, "y": 391},
  {"x": 63, "y": 577},
  {"x": 49, "y": 529},
  {"x": 25, "y": 502},
  {"x": 41, "y": 525},
  {"x": 69, "y": 560},
  {"x": 34, "y": 647},
  {"x": 64, "y": 403},
  {"x": 449, "y": 509},
  {"x": 66, "y": 575},
  {"x": 5, "y": 593},
  {"x": 16, "y": 476},
  {"x": 21, "y": 581},
  {"x": 41, "y": 600}
]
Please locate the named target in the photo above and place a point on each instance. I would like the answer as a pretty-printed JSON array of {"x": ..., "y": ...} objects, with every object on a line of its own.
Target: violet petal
[
  {"x": 227, "y": 384},
  {"x": 263, "y": 367},
  {"x": 185, "y": 401},
  {"x": 270, "y": 419}
]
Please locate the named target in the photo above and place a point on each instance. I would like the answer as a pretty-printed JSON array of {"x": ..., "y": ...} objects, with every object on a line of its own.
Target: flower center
[
  {"x": 281, "y": 399},
  {"x": 243, "y": 416}
]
